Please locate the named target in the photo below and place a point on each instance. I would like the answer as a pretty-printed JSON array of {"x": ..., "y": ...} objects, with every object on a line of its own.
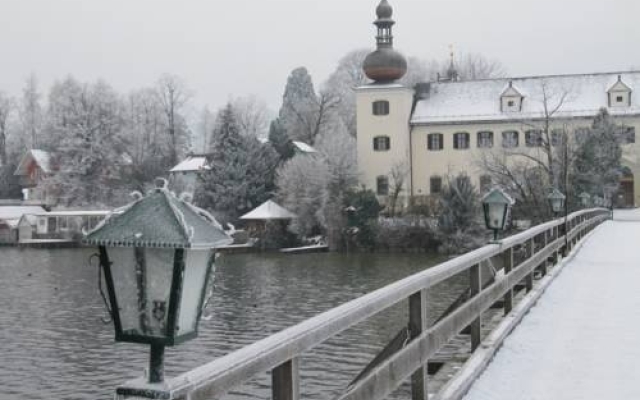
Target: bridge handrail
[{"x": 278, "y": 350}]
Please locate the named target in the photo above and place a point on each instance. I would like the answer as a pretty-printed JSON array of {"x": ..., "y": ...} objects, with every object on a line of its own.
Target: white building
[{"x": 442, "y": 128}]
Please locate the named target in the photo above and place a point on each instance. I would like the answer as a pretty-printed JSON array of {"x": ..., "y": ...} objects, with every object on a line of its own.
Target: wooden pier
[{"x": 525, "y": 260}]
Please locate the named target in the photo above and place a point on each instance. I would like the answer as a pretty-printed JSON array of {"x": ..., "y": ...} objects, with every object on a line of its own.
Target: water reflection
[{"x": 53, "y": 344}]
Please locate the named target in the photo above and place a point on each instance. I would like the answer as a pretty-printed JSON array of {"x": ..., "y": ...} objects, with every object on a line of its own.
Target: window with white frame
[
  {"x": 380, "y": 107},
  {"x": 435, "y": 141},
  {"x": 485, "y": 139},
  {"x": 435, "y": 184},
  {"x": 382, "y": 185},
  {"x": 509, "y": 139},
  {"x": 381, "y": 143},
  {"x": 461, "y": 140},
  {"x": 533, "y": 138}
]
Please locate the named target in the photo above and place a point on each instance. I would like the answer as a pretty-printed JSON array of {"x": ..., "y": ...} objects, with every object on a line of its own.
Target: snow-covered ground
[{"x": 582, "y": 339}]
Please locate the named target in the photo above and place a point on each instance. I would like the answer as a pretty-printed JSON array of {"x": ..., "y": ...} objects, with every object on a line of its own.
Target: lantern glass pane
[
  {"x": 196, "y": 265},
  {"x": 142, "y": 281},
  {"x": 556, "y": 204},
  {"x": 495, "y": 215}
]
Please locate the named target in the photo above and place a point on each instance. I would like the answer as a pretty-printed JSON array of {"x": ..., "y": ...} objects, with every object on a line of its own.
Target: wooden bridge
[{"x": 529, "y": 260}]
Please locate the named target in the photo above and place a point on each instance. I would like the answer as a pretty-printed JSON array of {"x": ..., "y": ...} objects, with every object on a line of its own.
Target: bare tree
[
  {"x": 174, "y": 95},
  {"x": 252, "y": 116},
  {"x": 477, "y": 66},
  {"x": 31, "y": 111},
  {"x": 6, "y": 107},
  {"x": 399, "y": 173},
  {"x": 544, "y": 163}
]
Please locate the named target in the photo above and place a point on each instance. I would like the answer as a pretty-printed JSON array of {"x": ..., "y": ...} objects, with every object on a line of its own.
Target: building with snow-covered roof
[
  {"x": 34, "y": 167},
  {"x": 184, "y": 175},
  {"x": 441, "y": 128}
]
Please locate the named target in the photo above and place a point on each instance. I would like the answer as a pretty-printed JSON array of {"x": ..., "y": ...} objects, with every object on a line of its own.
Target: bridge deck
[{"x": 582, "y": 339}]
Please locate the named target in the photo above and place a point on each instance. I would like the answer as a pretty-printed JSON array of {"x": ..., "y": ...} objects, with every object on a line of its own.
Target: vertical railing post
[
  {"x": 507, "y": 262},
  {"x": 545, "y": 240},
  {"x": 285, "y": 381},
  {"x": 529, "y": 278},
  {"x": 418, "y": 313},
  {"x": 475, "y": 281}
]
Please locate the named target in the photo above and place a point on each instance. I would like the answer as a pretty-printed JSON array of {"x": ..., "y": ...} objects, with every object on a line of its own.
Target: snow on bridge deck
[{"x": 582, "y": 339}]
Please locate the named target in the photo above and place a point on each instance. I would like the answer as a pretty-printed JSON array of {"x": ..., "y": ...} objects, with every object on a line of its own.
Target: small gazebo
[{"x": 269, "y": 217}]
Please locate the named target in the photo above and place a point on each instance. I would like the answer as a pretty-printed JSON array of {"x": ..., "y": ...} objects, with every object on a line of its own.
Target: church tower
[{"x": 383, "y": 110}]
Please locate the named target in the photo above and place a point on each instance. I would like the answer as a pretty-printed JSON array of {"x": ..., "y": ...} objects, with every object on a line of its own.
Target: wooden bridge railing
[{"x": 519, "y": 255}]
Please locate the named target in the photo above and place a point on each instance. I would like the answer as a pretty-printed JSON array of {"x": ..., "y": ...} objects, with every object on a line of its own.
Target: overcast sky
[{"x": 240, "y": 47}]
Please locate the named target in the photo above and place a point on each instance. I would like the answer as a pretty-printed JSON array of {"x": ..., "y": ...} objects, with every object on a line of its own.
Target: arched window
[
  {"x": 381, "y": 143},
  {"x": 533, "y": 138},
  {"x": 435, "y": 141},
  {"x": 510, "y": 139},
  {"x": 461, "y": 140},
  {"x": 435, "y": 185},
  {"x": 380, "y": 107},
  {"x": 382, "y": 185},
  {"x": 485, "y": 139}
]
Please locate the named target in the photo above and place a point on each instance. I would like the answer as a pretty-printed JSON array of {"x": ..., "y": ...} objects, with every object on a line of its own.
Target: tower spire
[{"x": 384, "y": 64}]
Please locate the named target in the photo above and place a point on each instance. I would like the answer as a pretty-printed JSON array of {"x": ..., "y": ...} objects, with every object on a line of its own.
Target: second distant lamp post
[
  {"x": 585, "y": 199},
  {"x": 557, "y": 201}
]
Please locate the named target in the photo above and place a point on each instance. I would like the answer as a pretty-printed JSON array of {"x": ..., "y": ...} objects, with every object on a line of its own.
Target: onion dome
[{"x": 384, "y": 64}]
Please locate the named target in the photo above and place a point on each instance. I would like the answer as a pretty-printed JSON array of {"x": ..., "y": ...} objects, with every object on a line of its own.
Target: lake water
[{"x": 53, "y": 344}]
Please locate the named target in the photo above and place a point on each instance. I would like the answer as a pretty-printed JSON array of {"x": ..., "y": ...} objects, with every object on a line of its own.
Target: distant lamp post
[
  {"x": 585, "y": 198},
  {"x": 496, "y": 205},
  {"x": 556, "y": 201},
  {"x": 157, "y": 256}
]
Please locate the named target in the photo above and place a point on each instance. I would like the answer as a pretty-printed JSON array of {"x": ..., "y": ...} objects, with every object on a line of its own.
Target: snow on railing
[{"x": 517, "y": 256}]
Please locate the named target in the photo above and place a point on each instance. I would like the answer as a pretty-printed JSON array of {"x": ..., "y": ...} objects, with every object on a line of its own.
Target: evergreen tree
[
  {"x": 459, "y": 205},
  {"x": 597, "y": 163},
  {"x": 280, "y": 141},
  {"x": 242, "y": 170}
]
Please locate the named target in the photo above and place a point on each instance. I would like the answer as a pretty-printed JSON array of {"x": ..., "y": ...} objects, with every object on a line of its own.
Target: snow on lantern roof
[
  {"x": 303, "y": 147},
  {"x": 497, "y": 195},
  {"x": 159, "y": 220},
  {"x": 191, "y": 164},
  {"x": 267, "y": 211},
  {"x": 479, "y": 100}
]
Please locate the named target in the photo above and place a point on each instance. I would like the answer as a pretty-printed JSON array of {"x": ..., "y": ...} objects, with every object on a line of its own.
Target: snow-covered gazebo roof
[{"x": 269, "y": 210}]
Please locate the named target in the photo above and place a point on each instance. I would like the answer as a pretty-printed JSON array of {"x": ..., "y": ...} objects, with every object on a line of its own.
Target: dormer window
[
  {"x": 619, "y": 94},
  {"x": 511, "y": 99}
]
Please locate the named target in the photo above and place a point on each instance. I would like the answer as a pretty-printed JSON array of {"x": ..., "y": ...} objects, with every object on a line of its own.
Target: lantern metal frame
[
  {"x": 158, "y": 222},
  {"x": 507, "y": 204},
  {"x": 177, "y": 285}
]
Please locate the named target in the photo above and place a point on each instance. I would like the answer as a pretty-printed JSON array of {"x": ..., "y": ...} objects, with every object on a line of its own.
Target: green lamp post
[
  {"x": 496, "y": 205},
  {"x": 556, "y": 201},
  {"x": 156, "y": 256},
  {"x": 585, "y": 198}
]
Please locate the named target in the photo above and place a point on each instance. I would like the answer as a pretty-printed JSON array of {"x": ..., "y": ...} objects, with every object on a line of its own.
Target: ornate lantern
[
  {"x": 157, "y": 256},
  {"x": 556, "y": 201},
  {"x": 585, "y": 198},
  {"x": 496, "y": 205}
]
